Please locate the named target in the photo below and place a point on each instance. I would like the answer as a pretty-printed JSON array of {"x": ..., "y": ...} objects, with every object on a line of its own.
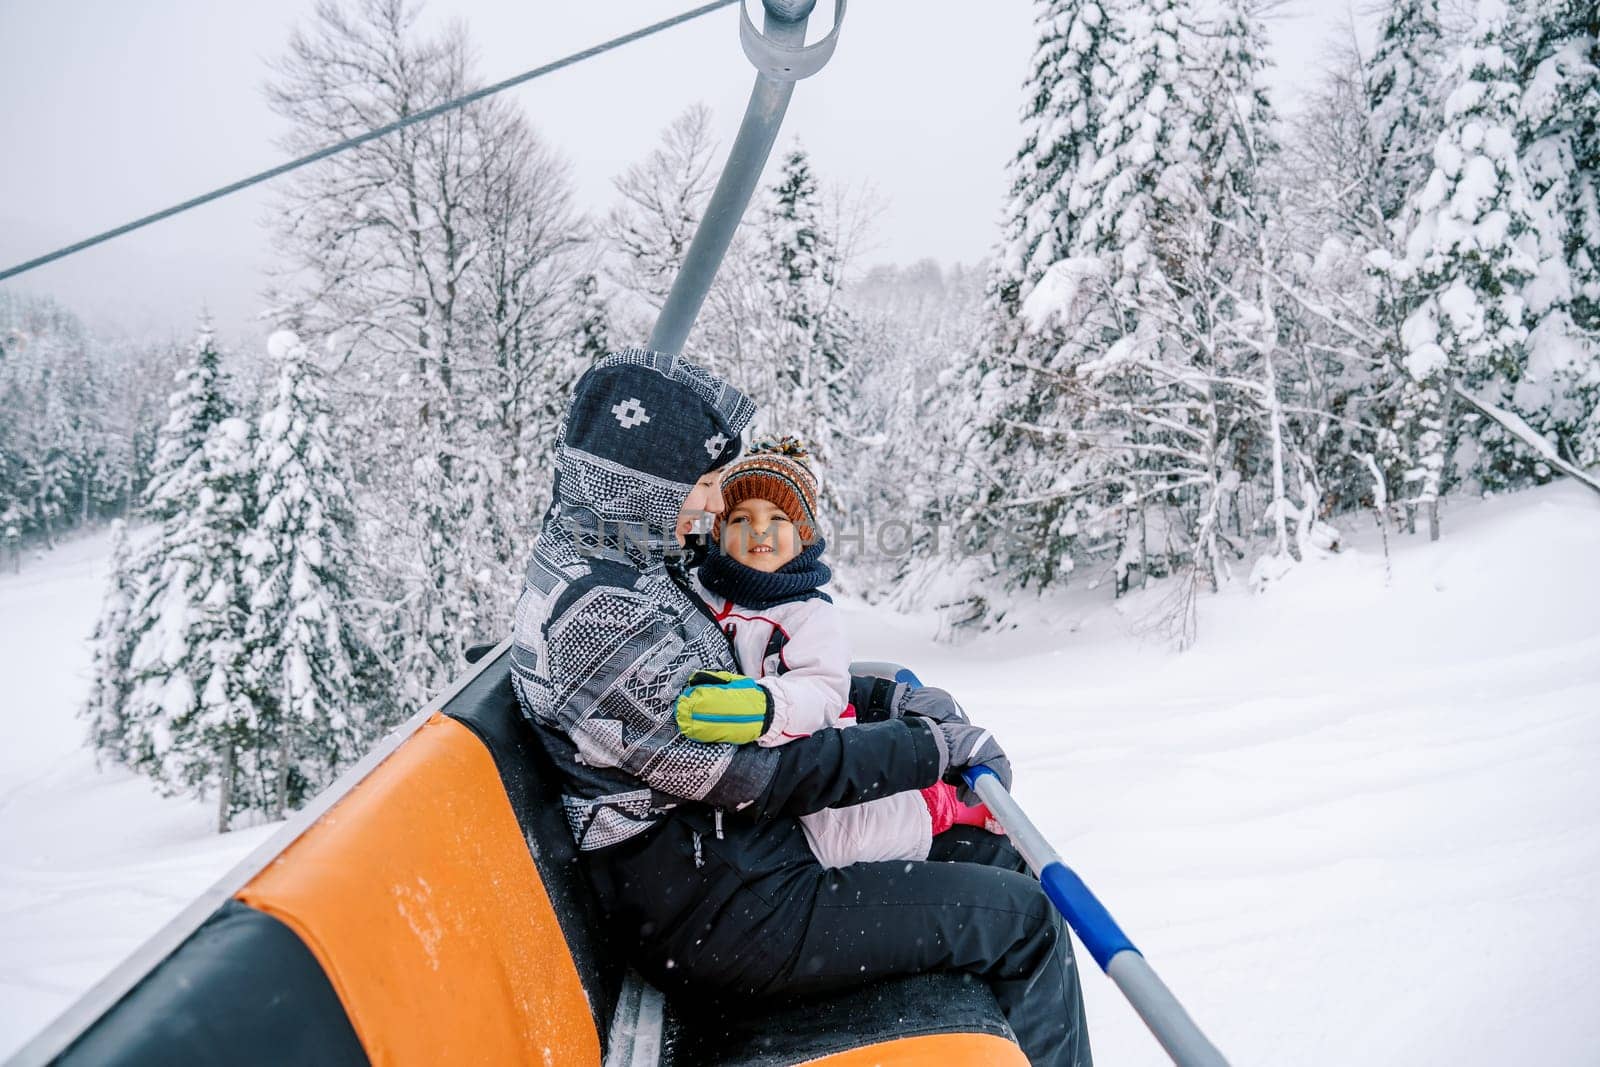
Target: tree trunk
[
  {"x": 225, "y": 789},
  {"x": 1451, "y": 432},
  {"x": 285, "y": 754}
]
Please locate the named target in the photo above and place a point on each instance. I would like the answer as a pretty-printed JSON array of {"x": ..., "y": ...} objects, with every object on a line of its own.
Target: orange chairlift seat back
[{"x": 420, "y": 899}]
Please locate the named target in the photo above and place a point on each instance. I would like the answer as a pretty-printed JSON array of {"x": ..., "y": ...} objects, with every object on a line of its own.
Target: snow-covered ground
[
  {"x": 1357, "y": 823},
  {"x": 91, "y": 862}
]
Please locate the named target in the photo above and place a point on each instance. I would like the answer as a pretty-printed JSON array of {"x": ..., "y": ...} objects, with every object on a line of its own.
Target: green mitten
[{"x": 723, "y": 706}]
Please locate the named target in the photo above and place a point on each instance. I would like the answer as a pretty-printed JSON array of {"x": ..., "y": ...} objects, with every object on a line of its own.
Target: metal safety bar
[{"x": 1098, "y": 931}]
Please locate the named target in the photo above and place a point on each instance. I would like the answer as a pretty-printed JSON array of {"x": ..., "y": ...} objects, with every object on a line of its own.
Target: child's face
[{"x": 758, "y": 534}]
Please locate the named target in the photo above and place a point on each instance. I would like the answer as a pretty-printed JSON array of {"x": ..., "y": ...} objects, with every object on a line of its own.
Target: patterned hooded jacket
[{"x": 604, "y": 636}]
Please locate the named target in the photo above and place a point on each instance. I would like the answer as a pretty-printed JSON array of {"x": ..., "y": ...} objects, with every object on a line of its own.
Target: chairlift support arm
[{"x": 781, "y": 58}]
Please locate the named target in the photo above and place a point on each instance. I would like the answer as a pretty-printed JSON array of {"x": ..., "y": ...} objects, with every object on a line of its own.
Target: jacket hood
[{"x": 642, "y": 428}]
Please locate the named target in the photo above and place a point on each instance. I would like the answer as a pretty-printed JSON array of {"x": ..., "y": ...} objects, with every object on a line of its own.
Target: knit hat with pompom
[{"x": 776, "y": 471}]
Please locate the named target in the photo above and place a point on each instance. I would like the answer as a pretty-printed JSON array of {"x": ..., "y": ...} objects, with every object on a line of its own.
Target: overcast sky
[{"x": 110, "y": 109}]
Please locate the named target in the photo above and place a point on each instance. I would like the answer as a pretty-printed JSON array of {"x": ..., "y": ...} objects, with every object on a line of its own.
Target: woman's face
[
  {"x": 703, "y": 502},
  {"x": 759, "y": 534}
]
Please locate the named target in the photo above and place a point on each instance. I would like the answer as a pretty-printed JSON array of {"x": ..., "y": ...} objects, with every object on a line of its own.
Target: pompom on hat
[{"x": 776, "y": 471}]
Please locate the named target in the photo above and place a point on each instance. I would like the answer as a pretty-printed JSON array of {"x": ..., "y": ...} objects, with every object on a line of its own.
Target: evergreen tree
[
  {"x": 71, "y": 409},
  {"x": 1556, "y": 49},
  {"x": 1144, "y": 150},
  {"x": 1098, "y": 463},
  {"x": 812, "y": 385},
  {"x": 1467, "y": 260},
  {"x": 1027, "y": 402},
  {"x": 1060, "y": 124},
  {"x": 309, "y": 666},
  {"x": 1404, "y": 96},
  {"x": 191, "y": 723},
  {"x": 594, "y": 321},
  {"x": 1406, "y": 82},
  {"x": 193, "y": 410},
  {"x": 1151, "y": 378},
  {"x": 111, "y": 677}
]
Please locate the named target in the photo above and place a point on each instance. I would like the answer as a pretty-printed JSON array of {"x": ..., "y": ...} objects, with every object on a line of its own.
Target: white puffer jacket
[{"x": 797, "y": 651}]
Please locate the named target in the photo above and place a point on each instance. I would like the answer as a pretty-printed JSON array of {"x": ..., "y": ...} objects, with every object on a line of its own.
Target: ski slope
[
  {"x": 92, "y": 862},
  {"x": 1357, "y": 823}
]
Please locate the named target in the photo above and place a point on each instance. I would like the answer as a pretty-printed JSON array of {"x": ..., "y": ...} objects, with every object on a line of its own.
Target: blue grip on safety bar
[
  {"x": 1083, "y": 911},
  {"x": 1088, "y": 918}
]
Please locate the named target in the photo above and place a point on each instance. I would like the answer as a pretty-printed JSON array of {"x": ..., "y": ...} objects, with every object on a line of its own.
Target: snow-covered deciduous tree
[
  {"x": 1330, "y": 182},
  {"x": 660, "y": 200},
  {"x": 920, "y": 328},
  {"x": 435, "y": 270},
  {"x": 312, "y": 675},
  {"x": 772, "y": 322},
  {"x": 647, "y": 234},
  {"x": 594, "y": 321}
]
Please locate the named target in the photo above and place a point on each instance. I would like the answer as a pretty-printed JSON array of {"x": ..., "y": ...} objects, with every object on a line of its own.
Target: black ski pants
[{"x": 752, "y": 914}]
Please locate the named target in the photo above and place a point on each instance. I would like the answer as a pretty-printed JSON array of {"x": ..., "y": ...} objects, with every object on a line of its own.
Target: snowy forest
[{"x": 1209, "y": 338}]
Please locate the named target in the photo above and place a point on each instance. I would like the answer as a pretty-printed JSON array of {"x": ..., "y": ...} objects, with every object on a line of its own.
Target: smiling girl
[{"x": 763, "y": 582}]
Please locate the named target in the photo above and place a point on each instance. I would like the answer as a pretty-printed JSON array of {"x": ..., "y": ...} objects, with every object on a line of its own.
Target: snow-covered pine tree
[
  {"x": 594, "y": 320},
  {"x": 1406, "y": 82},
  {"x": 810, "y": 388},
  {"x": 194, "y": 409},
  {"x": 110, "y": 676},
  {"x": 1143, "y": 213},
  {"x": 76, "y": 417},
  {"x": 1468, "y": 256},
  {"x": 1556, "y": 48},
  {"x": 1060, "y": 124},
  {"x": 1045, "y": 483},
  {"x": 1164, "y": 381},
  {"x": 312, "y": 673},
  {"x": 191, "y": 723}
]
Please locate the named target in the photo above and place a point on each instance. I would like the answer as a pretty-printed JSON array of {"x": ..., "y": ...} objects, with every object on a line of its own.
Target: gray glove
[
  {"x": 962, "y": 746},
  {"x": 929, "y": 702},
  {"x": 878, "y": 699},
  {"x": 875, "y": 699}
]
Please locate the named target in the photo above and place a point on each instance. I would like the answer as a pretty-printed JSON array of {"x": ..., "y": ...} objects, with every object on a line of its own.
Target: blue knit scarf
[{"x": 799, "y": 579}]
